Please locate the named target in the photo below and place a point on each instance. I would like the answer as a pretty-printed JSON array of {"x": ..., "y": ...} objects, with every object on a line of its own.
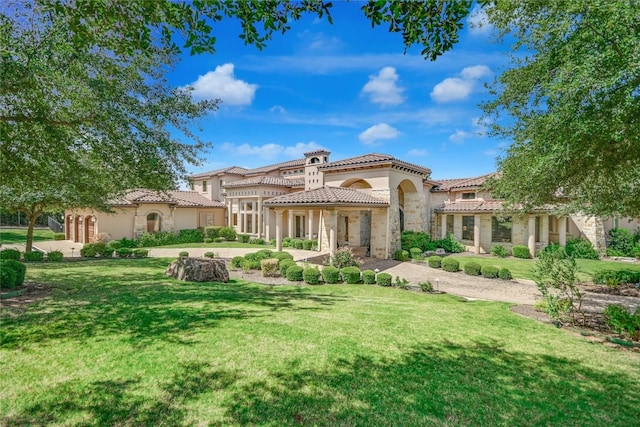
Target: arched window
[{"x": 153, "y": 222}]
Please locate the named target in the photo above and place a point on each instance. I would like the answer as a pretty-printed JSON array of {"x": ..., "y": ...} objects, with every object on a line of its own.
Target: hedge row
[{"x": 471, "y": 268}]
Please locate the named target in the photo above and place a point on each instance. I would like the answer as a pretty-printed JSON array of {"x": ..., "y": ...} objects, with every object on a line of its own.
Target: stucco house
[{"x": 364, "y": 202}]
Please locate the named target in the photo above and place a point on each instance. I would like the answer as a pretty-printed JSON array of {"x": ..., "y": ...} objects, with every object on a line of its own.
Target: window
[
  {"x": 468, "y": 196},
  {"x": 153, "y": 223},
  {"x": 538, "y": 230},
  {"x": 449, "y": 224},
  {"x": 204, "y": 186},
  {"x": 467, "y": 227},
  {"x": 501, "y": 229}
]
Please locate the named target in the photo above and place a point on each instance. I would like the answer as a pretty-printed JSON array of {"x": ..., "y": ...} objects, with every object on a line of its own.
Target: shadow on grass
[
  {"x": 141, "y": 304},
  {"x": 436, "y": 385}
]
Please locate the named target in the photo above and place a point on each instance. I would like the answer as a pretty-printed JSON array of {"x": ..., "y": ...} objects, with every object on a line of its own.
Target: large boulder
[{"x": 198, "y": 270}]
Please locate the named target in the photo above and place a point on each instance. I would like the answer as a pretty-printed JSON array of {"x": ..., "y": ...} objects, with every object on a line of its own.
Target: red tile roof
[
  {"x": 462, "y": 183},
  {"x": 266, "y": 180},
  {"x": 328, "y": 196},
  {"x": 233, "y": 170},
  {"x": 371, "y": 160},
  {"x": 480, "y": 206},
  {"x": 172, "y": 197}
]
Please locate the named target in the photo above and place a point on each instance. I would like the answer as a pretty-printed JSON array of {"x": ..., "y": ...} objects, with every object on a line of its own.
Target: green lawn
[
  {"x": 119, "y": 343},
  {"x": 19, "y": 235},
  {"x": 520, "y": 268}
]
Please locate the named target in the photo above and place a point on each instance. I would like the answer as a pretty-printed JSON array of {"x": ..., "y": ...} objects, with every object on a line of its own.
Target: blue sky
[{"x": 347, "y": 88}]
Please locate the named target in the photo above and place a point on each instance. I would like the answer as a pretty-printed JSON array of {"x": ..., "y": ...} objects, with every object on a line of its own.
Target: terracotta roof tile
[
  {"x": 276, "y": 166},
  {"x": 173, "y": 197},
  {"x": 462, "y": 183},
  {"x": 462, "y": 206},
  {"x": 233, "y": 170},
  {"x": 372, "y": 159},
  {"x": 266, "y": 180},
  {"x": 327, "y": 196}
]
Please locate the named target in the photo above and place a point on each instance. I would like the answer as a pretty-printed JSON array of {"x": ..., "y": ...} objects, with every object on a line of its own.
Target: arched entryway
[
  {"x": 409, "y": 206},
  {"x": 154, "y": 222}
]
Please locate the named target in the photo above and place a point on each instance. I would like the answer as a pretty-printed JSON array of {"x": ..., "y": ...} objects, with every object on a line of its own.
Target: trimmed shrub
[
  {"x": 620, "y": 240},
  {"x": 555, "y": 249},
  {"x": 297, "y": 244},
  {"x": 7, "y": 277},
  {"x": 499, "y": 251},
  {"x": 426, "y": 286},
  {"x": 284, "y": 266},
  {"x": 256, "y": 241},
  {"x": 270, "y": 267},
  {"x": 236, "y": 261},
  {"x": 17, "y": 267},
  {"x": 344, "y": 257},
  {"x": 472, "y": 268},
  {"x": 449, "y": 244},
  {"x": 99, "y": 249},
  {"x": 227, "y": 233},
  {"x": 115, "y": 244},
  {"x": 505, "y": 274},
  {"x": 251, "y": 264},
  {"x": 88, "y": 251},
  {"x": 521, "y": 251},
  {"x": 330, "y": 274},
  {"x": 295, "y": 273},
  {"x": 253, "y": 256},
  {"x": 614, "y": 278},
  {"x": 384, "y": 279},
  {"x": 311, "y": 275},
  {"x": 369, "y": 277},
  {"x": 415, "y": 239},
  {"x": 124, "y": 252},
  {"x": 59, "y": 236},
  {"x": 582, "y": 249},
  {"x": 33, "y": 256},
  {"x": 401, "y": 255},
  {"x": 264, "y": 254},
  {"x": 208, "y": 240},
  {"x": 10, "y": 254},
  {"x": 434, "y": 261},
  {"x": 128, "y": 243},
  {"x": 218, "y": 240},
  {"x": 351, "y": 275},
  {"x": 415, "y": 253},
  {"x": 280, "y": 255},
  {"x": 212, "y": 232},
  {"x": 307, "y": 245},
  {"x": 450, "y": 264},
  {"x": 55, "y": 256},
  {"x": 183, "y": 254},
  {"x": 286, "y": 242},
  {"x": 209, "y": 254},
  {"x": 190, "y": 236},
  {"x": 272, "y": 242},
  {"x": 490, "y": 272},
  {"x": 243, "y": 238},
  {"x": 140, "y": 253}
]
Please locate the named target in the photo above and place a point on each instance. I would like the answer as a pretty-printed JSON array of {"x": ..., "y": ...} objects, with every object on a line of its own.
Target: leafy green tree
[{"x": 570, "y": 105}]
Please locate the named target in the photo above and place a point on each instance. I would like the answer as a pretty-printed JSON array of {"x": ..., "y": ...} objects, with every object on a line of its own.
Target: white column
[
  {"x": 290, "y": 231},
  {"x": 278, "y": 230},
  {"x": 259, "y": 230},
  {"x": 310, "y": 224},
  {"x": 230, "y": 213},
  {"x": 532, "y": 236},
  {"x": 254, "y": 217},
  {"x": 544, "y": 236},
  {"x": 245, "y": 217},
  {"x": 267, "y": 231},
  {"x": 333, "y": 215},
  {"x": 562, "y": 230},
  {"x": 443, "y": 232},
  {"x": 476, "y": 233}
]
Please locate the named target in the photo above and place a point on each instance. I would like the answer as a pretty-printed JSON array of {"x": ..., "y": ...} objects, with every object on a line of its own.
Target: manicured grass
[
  {"x": 521, "y": 268},
  {"x": 19, "y": 235},
  {"x": 216, "y": 245},
  {"x": 119, "y": 343}
]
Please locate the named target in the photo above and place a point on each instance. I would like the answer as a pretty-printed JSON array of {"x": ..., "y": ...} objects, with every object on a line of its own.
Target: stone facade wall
[{"x": 379, "y": 234}]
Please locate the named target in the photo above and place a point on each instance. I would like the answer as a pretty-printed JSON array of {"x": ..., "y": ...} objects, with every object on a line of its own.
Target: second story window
[
  {"x": 204, "y": 186},
  {"x": 468, "y": 196}
]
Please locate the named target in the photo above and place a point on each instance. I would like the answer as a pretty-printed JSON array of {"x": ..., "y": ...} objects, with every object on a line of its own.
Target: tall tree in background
[{"x": 570, "y": 106}]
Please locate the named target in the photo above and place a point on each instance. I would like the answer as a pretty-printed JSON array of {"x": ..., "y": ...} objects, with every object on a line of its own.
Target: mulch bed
[
  {"x": 32, "y": 292},
  {"x": 627, "y": 290}
]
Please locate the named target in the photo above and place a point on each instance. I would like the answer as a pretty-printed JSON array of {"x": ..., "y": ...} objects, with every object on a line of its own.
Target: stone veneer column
[
  {"x": 531, "y": 242},
  {"x": 443, "y": 222},
  {"x": 278, "y": 230},
  {"x": 394, "y": 221},
  {"x": 476, "y": 234},
  {"x": 562, "y": 230},
  {"x": 333, "y": 224}
]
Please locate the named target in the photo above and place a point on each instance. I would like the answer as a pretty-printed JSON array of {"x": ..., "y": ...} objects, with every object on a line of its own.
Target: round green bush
[
  {"x": 243, "y": 238},
  {"x": 521, "y": 251},
  {"x": 256, "y": 241},
  {"x": 115, "y": 244},
  {"x": 297, "y": 243},
  {"x": 209, "y": 255},
  {"x": 251, "y": 264},
  {"x": 265, "y": 254},
  {"x": 280, "y": 255},
  {"x": 285, "y": 264},
  {"x": 208, "y": 240},
  {"x": 351, "y": 275},
  {"x": 7, "y": 278},
  {"x": 33, "y": 256},
  {"x": 217, "y": 240},
  {"x": 490, "y": 272},
  {"x": 236, "y": 261},
  {"x": 295, "y": 273},
  {"x": 55, "y": 256},
  {"x": 253, "y": 256},
  {"x": 369, "y": 277},
  {"x": 450, "y": 264},
  {"x": 472, "y": 268},
  {"x": 330, "y": 274},
  {"x": 59, "y": 236},
  {"x": 499, "y": 251},
  {"x": 227, "y": 233},
  {"x": 307, "y": 244},
  {"x": 311, "y": 275},
  {"x": 505, "y": 274},
  {"x": 16, "y": 266},
  {"x": 401, "y": 255},
  {"x": 415, "y": 253},
  {"x": 434, "y": 261},
  {"x": 124, "y": 252},
  {"x": 10, "y": 254},
  {"x": 384, "y": 279},
  {"x": 183, "y": 254},
  {"x": 140, "y": 253}
]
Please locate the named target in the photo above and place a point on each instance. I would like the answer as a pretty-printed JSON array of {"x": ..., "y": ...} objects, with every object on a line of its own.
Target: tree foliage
[{"x": 570, "y": 105}]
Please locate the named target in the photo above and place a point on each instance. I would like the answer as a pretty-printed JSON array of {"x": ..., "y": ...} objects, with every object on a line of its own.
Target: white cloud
[
  {"x": 278, "y": 109},
  {"x": 377, "y": 132},
  {"x": 458, "y": 89},
  {"x": 459, "y": 136},
  {"x": 382, "y": 88},
  {"x": 221, "y": 83},
  {"x": 479, "y": 22},
  {"x": 416, "y": 152},
  {"x": 270, "y": 151}
]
